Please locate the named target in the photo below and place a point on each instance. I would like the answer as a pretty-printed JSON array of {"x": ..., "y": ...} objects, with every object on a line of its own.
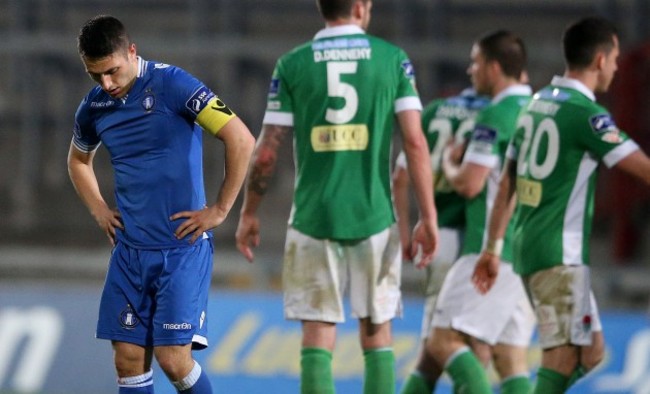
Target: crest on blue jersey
[
  {"x": 128, "y": 319},
  {"x": 407, "y": 66},
  {"x": 484, "y": 134},
  {"x": 602, "y": 123},
  {"x": 199, "y": 100},
  {"x": 148, "y": 102}
]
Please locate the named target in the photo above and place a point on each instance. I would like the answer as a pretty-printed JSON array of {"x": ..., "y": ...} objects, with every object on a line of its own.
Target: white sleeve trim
[
  {"x": 406, "y": 103},
  {"x": 489, "y": 161},
  {"x": 401, "y": 162},
  {"x": 620, "y": 152},
  {"x": 278, "y": 118},
  {"x": 83, "y": 147},
  {"x": 511, "y": 152}
]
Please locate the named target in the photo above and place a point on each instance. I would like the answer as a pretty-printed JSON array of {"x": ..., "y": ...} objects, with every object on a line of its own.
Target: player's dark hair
[
  {"x": 584, "y": 38},
  {"x": 102, "y": 36},
  {"x": 335, "y": 9},
  {"x": 507, "y": 49}
]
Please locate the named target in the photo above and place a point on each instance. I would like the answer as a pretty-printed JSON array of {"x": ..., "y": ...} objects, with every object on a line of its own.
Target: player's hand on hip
[
  {"x": 109, "y": 220},
  {"x": 198, "y": 222},
  {"x": 486, "y": 272},
  {"x": 424, "y": 242},
  {"x": 247, "y": 235}
]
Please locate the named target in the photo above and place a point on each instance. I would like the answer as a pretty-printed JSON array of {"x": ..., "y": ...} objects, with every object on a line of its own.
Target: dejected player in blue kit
[{"x": 150, "y": 118}]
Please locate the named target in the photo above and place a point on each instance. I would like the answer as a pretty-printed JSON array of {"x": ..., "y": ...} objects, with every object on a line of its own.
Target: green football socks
[
  {"x": 316, "y": 371},
  {"x": 550, "y": 382},
  {"x": 379, "y": 372},
  {"x": 579, "y": 372},
  {"x": 417, "y": 384},
  {"x": 516, "y": 384},
  {"x": 467, "y": 373}
]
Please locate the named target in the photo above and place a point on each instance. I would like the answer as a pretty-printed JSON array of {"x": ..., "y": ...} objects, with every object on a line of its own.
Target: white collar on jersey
[
  {"x": 514, "y": 90},
  {"x": 338, "y": 31},
  {"x": 571, "y": 83},
  {"x": 142, "y": 67}
]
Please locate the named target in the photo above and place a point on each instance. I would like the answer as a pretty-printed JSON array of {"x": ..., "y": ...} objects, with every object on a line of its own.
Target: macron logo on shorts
[{"x": 177, "y": 326}]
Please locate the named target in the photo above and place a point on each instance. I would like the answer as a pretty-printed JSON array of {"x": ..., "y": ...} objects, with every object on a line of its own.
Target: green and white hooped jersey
[
  {"x": 444, "y": 120},
  {"x": 561, "y": 136},
  {"x": 340, "y": 92},
  {"x": 495, "y": 126}
]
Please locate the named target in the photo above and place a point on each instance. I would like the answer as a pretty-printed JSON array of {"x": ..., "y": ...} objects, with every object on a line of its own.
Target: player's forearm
[
  {"x": 259, "y": 176},
  {"x": 636, "y": 164},
  {"x": 465, "y": 178},
  {"x": 419, "y": 169},
  {"x": 504, "y": 204},
  {"x": 239, "y": 145},
  {"x": 401, "y": 200},
  {"x": 85, "y": 182},
  {"x": 263, "y": 164}
]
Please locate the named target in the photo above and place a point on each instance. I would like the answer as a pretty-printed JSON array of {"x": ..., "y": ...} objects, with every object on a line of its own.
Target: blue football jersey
[{"x": 155, "y": 148}]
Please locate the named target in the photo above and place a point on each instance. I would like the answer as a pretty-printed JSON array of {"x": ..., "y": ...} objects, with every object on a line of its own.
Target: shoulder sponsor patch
[
  {"x": 199, "y": 100},
  {"x": 274, "y": 87},
  {"x": 602, "y": 123},
  {"x": 407, "y": 66},
  {"x": 604, "y": 126},
  {"x": 484, "y": 134}
]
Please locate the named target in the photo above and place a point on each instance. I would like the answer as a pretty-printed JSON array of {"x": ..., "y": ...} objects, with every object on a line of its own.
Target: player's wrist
[{"x": 494, "y": 247}]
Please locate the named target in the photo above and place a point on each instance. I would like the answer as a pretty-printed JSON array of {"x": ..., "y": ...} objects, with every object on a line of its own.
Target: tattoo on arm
[{"x": 265, "y": 157}]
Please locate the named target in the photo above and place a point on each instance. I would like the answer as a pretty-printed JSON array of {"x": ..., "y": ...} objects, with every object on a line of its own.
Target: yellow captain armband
[
  {"x": 214, "y": 116},
  {"x": 494, "y": 247}
]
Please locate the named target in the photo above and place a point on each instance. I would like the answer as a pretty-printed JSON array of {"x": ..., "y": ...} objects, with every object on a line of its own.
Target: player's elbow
[
  {"x": 265, "y": 158},
  {"x": 248, "y": 144}
]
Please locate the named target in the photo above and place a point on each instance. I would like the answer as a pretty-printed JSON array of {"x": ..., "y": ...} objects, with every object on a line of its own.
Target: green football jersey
[
  {"x": 443, "y": 120},
  {"x": 495, "y": 126},
  {"x": 561, "y": 137},
  {"x": 340, "y": 92}
]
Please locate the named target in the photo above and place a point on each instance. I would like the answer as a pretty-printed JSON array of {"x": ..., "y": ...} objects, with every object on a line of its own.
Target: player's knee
[
  {"x": 172, "y": 366},
  {"x": 174, "y": 361},
  {"x": 428, "y": 367},
  {"x": 373, "y": 336},
  {"x": 130, "y": 360},
  {"x": 590, "y": 360},
  {"x": 442, "y": 344},
  {"x": 482, "y": 350}
]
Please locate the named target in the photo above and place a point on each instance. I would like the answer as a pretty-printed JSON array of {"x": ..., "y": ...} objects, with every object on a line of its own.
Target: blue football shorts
[{"x": 157, "y": 297}]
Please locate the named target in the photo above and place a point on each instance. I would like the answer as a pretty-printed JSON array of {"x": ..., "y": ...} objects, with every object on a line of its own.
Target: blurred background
[{"x": 51, "y": 250}]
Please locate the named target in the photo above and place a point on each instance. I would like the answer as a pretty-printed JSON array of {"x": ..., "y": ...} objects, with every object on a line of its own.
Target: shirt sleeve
[
  {"x": 604, "y": 139},
  {"x": 407, "y": 94},
  {"x": 279, "y": 103},
  {"x": 191, "y": 98},
  {"x": 483, "y": 145},
  {"x": 84, "y": 135}
]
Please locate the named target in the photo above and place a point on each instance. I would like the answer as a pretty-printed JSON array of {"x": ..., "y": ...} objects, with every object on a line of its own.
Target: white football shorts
[
  {"x": 449, "y": 244},
  {"x": 317, "y": 272},
  {"x": 503, "y": 315},
  {"x": 565, "y": 305}
]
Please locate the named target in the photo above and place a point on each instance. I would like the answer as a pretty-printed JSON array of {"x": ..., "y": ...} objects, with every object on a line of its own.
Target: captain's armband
[{"x": 214, "y": 116}]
